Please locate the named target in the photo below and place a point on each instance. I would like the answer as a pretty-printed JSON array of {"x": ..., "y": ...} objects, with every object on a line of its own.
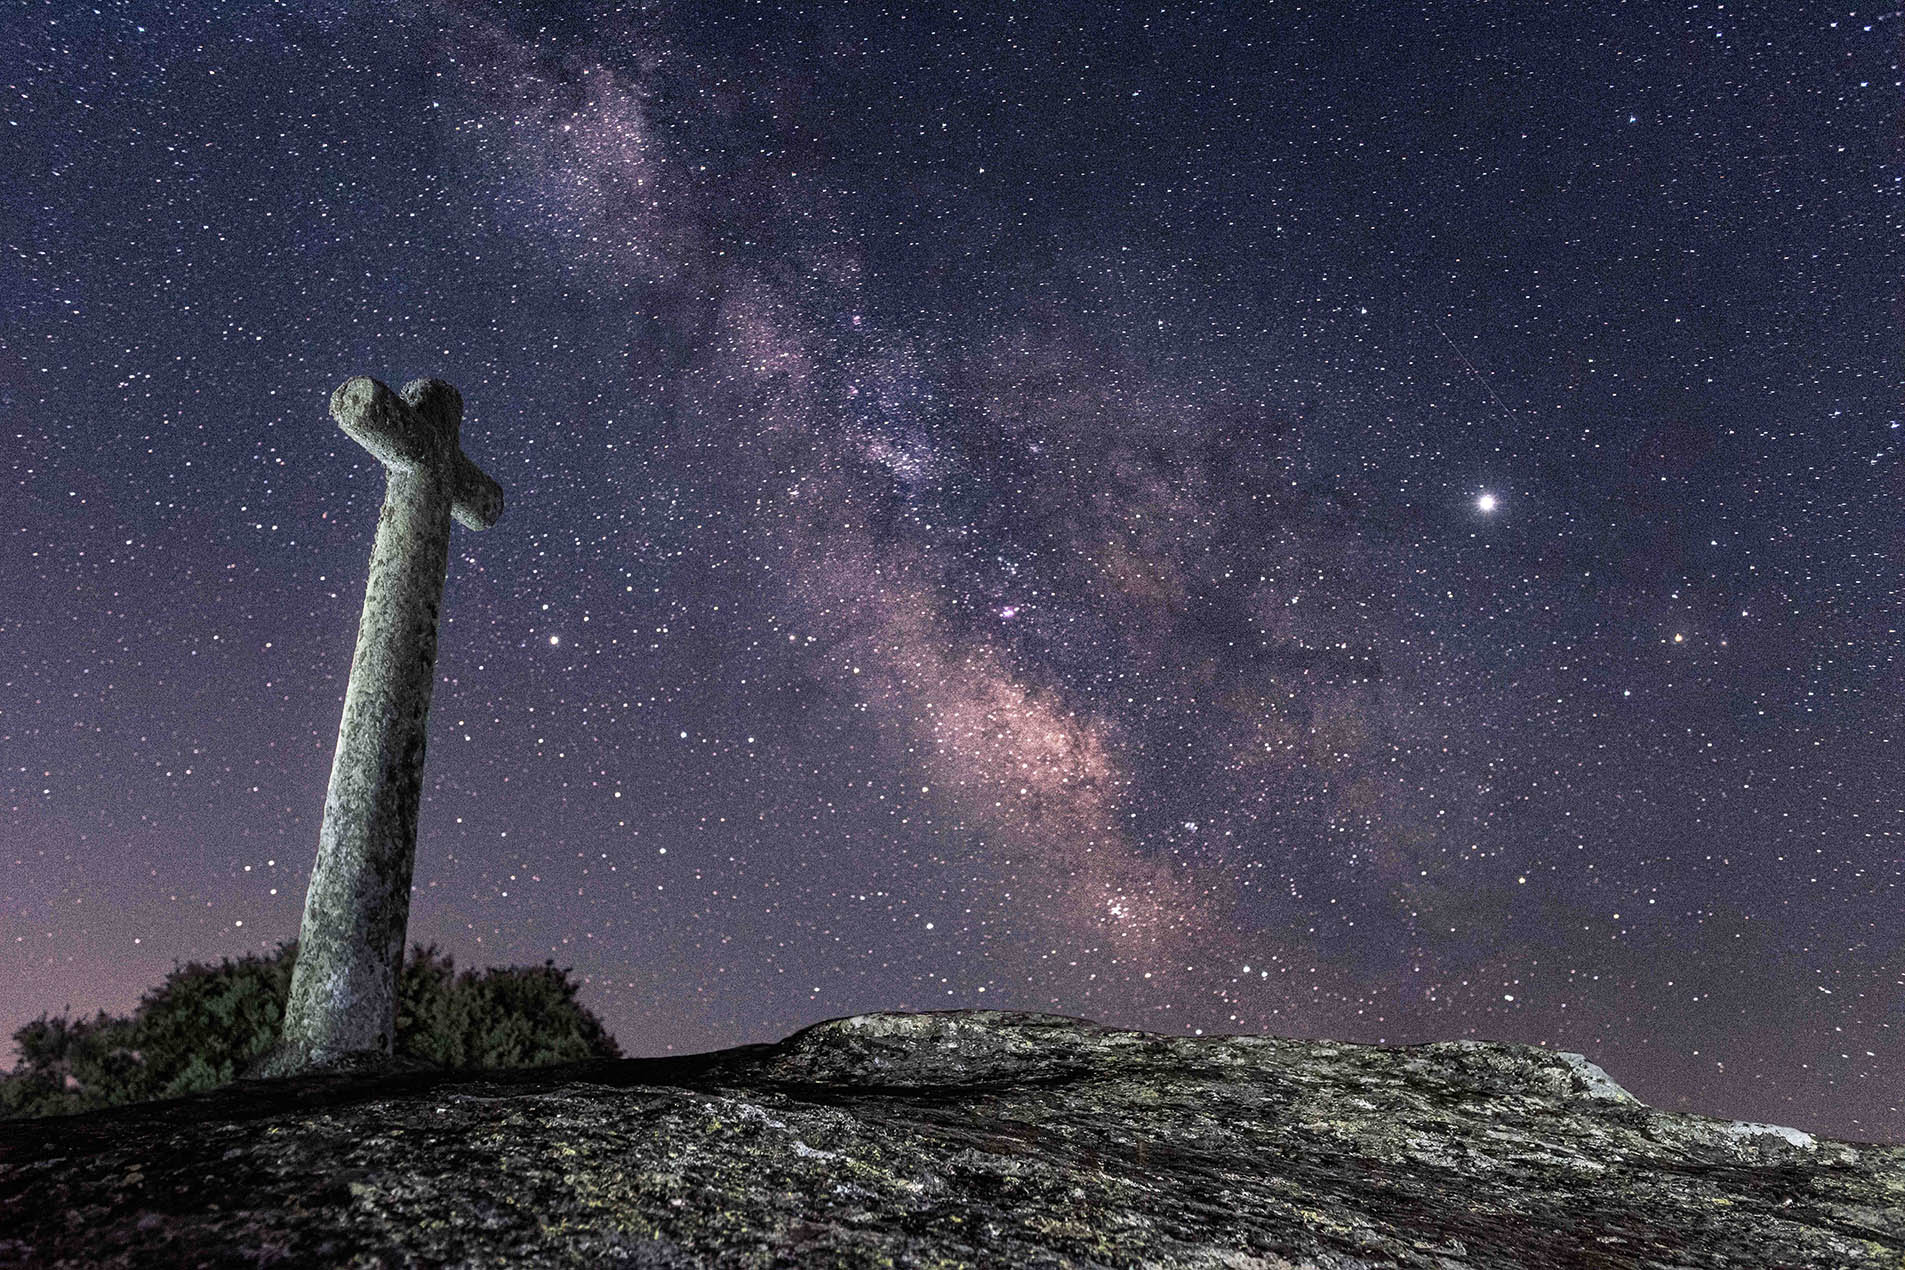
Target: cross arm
[{"x": 418, "y": 431}]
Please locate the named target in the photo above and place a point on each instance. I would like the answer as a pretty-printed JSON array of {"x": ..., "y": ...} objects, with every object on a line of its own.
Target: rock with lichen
[{"x": 963, "y": 1138}]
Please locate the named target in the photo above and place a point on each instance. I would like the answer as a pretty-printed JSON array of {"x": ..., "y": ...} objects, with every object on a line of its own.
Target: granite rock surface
[{"x": 963, "y": 1138}]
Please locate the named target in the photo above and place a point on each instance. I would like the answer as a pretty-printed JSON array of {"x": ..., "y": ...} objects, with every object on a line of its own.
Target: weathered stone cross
[{"x": 342, "y": 1011}]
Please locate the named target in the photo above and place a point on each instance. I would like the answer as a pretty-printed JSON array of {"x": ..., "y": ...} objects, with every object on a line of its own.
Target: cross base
[{"x": 288, "y": 1058}]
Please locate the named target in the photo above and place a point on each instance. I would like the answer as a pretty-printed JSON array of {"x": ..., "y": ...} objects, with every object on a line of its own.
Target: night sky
[{"x": 1365, "y": 521}]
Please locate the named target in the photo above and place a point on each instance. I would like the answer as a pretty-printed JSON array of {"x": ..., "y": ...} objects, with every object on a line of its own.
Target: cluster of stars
[{"x": 1210, "y": 520}]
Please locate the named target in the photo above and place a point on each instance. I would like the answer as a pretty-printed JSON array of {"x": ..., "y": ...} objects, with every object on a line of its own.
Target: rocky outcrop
[{"x": 964, "y": 1138}]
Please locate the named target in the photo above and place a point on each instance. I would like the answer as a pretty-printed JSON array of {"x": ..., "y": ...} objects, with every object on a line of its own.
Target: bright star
[{"x": 1486, "y": 504}]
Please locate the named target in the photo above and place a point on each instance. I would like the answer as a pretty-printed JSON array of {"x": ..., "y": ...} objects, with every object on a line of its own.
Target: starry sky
[{"x": 1365, "y": 521}]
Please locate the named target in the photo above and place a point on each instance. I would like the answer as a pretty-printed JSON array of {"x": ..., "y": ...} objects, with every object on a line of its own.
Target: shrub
[{"x": 206, "y": 1023}]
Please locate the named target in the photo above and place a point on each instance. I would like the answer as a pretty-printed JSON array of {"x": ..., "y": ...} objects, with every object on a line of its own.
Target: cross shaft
[{"x": 342, "y": 1007}]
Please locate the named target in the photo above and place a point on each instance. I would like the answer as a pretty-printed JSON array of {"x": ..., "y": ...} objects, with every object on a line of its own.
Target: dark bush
[{"x": 205, "y": 1023}]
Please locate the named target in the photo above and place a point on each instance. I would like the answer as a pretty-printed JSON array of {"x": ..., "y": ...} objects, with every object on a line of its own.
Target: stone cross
[{"x": 342, "y": 1011}]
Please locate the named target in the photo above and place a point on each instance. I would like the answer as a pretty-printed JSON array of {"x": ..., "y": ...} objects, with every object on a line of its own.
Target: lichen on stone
[{"x": 967, "y": 1138}]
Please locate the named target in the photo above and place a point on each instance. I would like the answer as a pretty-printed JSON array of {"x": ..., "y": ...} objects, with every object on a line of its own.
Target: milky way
[{"x": 1378, "y": 528}]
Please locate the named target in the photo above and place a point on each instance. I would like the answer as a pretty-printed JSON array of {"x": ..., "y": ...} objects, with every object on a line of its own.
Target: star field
[{"x": 1359, "y": 521}]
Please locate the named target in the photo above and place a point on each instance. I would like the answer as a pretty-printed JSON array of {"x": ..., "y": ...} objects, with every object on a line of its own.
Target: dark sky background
[{"x": 1364, "y": 521}]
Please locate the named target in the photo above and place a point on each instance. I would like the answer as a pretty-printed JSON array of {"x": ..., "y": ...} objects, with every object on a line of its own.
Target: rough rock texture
[{"x": 952, "y": 1139}]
